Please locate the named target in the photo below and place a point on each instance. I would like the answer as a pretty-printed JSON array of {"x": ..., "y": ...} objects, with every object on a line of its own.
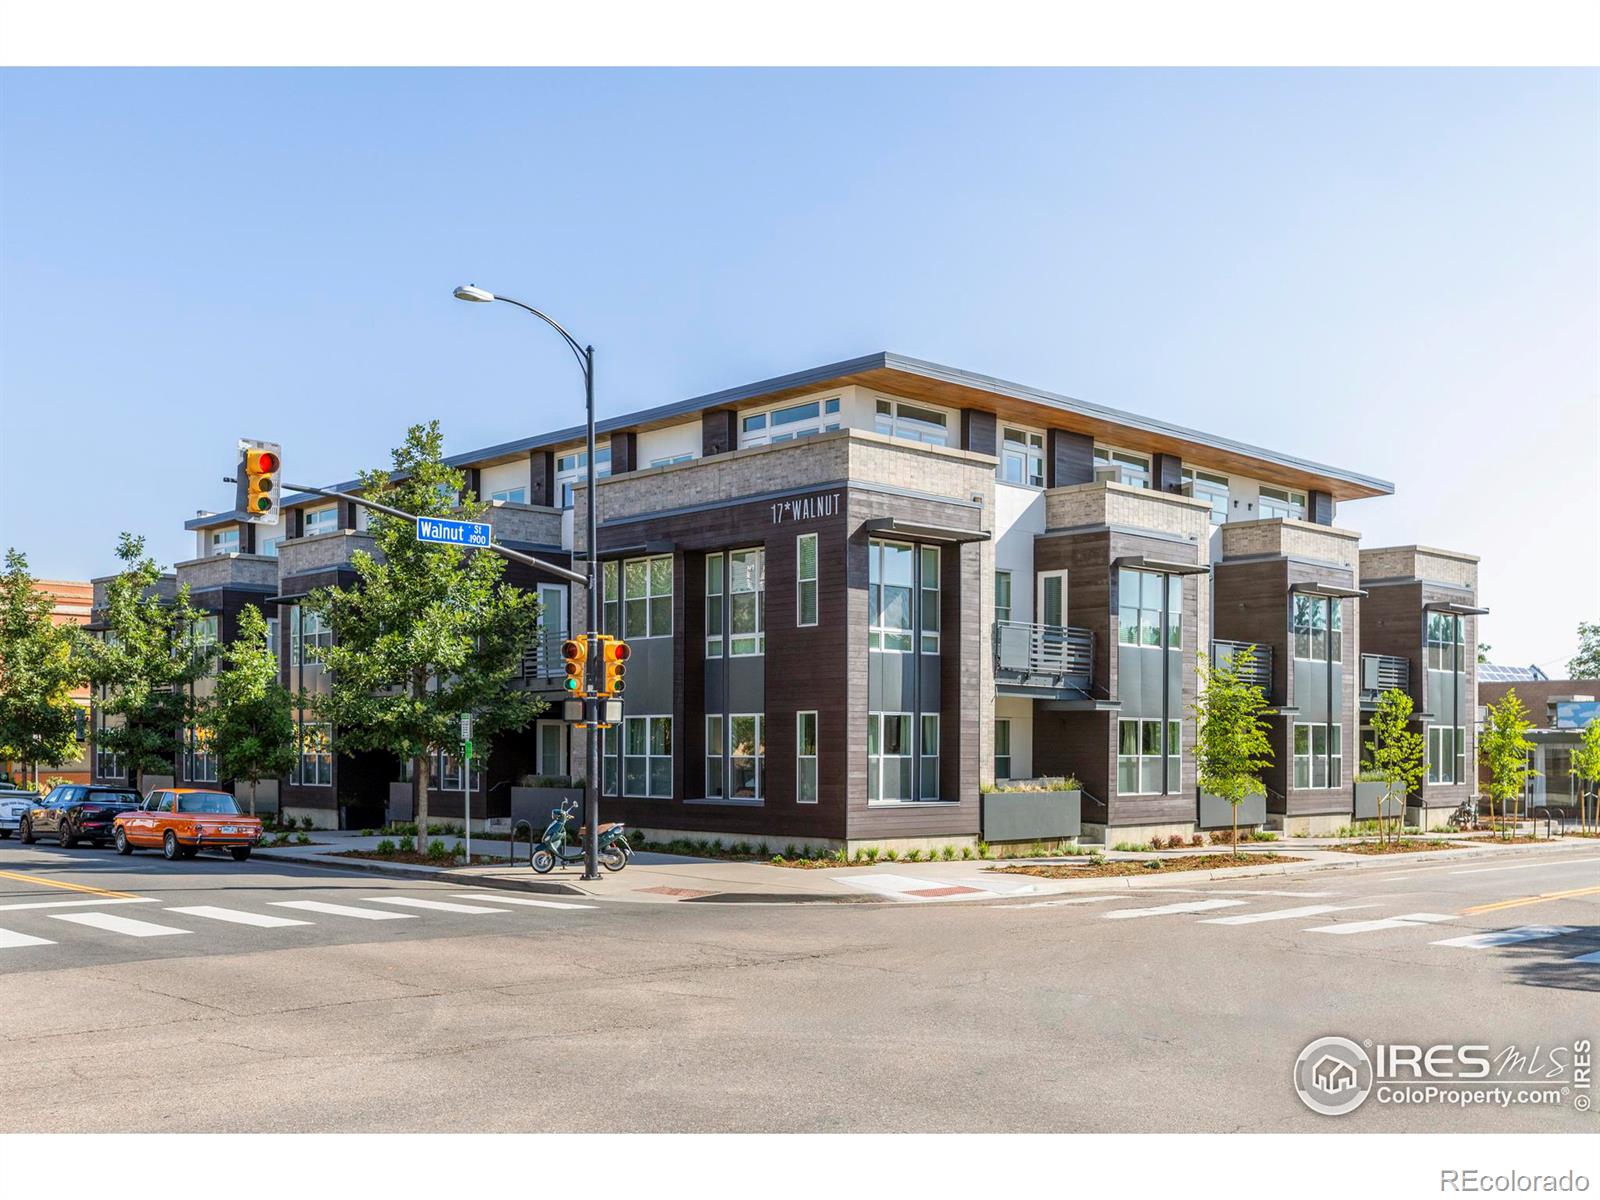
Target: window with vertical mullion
[
  {"x": 806, "y": 579},
  {"x": 746, "y": 592},
  {"x": 929, "y": 583},
  {"x": 716, "y": 749},
  {"x": 891, "y": 566},
  {"x": 746, "y": 750},
  {"x": 805, "y": 743},
  {"x": 1002, "y": 748},
  {"x": 716, "y": 591},
  {"x": 928, "y": 752},
  {"x": 1002, "y": 595}
]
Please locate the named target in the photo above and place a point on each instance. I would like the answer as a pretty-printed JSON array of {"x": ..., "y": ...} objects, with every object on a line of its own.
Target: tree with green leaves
[
  {"x": 428, "y": 632},
  {"x": 41, "y": 663},
  {"x": 250, "y": 714},
  {"x": 1503, "y": 748},
  {"x": 1232, "y": 747},
  {"x": 1586, "y": 770},
  {"x": 1585, "y": 664},
  {"x": 146, "y": 665},
  {"x": 1396, "y": 755}
]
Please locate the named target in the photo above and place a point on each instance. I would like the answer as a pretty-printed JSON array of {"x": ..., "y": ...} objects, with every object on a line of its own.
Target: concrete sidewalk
[{"x": 652, "y": 878}]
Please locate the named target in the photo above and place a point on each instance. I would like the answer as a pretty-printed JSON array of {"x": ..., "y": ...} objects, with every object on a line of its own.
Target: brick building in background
[{"x": 73, "y": 601}]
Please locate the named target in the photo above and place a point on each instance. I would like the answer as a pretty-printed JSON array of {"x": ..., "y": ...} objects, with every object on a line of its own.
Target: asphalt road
[{"x": 155, "y": 1007}]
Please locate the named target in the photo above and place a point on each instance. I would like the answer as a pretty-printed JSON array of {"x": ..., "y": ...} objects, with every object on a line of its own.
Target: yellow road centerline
[
  {"x": 61, "y": 883},
  {"x": 1542, "y": 898}
]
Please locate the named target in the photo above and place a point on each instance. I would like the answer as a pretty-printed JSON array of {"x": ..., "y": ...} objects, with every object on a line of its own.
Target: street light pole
[{"x": 592, "y": 706}]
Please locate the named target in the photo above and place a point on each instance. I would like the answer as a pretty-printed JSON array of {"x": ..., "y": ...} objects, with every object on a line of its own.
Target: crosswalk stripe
[
  {"x": 10, "y": 938},
  {"x": 1594, "y": 957},
  {"x": 1185, "y": 906},
  {"x": 343, "y": 910},
  {"x": 111, "y": 923},
  {"x": 1282, "y": 914},
  {"x": 1408, "y": 921},
  {"x": 527, "y": 900},
  {"x": 1059, "y": 903},
  {"x": 435, "y": 905},
  {"x": 237, "y": 916},
  {"x": 78, "y": 903},
  {"x": 1508, "y": 937}
]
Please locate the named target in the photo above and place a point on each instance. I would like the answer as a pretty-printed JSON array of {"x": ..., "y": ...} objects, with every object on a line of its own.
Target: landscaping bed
[
  {"x": 1404, "y": 846},
  {"x": 423, "y": 860},
  {"x": 1152, "y": 866}
]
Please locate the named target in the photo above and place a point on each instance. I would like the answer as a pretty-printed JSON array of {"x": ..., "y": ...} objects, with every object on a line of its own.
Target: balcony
[
  {"x": 1092, "y": 505},
  {"x": 1223, "y": 653},
  {"x": 1382, "y": 673},
  {"x": 1052, "y": 661},
  {"x": 1281, "y": 537},
  {"x": 542, "y": 664},
  {"x": 251, "y": 571}
]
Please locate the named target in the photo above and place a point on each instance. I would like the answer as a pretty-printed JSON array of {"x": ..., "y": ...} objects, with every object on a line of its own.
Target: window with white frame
[
  {"x": 747, "y": 751},
  {"x": 805, "y": 758},
  {"x": 321, "y": 520},
  {"x": 1122, "y": 466},
  {"x": 204, "y": 633},
  {"x": 267, "y": 547},
  {"x": 914, "y": 422},
  {"x": 1318, "y": 756},
  {"x": 573, "y": 469},
  {"x": 647, "y": 756},
  {"x": 1140, "y": 751},
  {"x": 311, "y": 639},
  {"x": 747, "y": 571},
  {"x": 788, "y": 422},
  {"x": 1141, "y": 618},
  {"x": 272, "y": 637},
  {"x": 928, "y": 578},
  {"x": 889, "y": 758},
  {"x": 1281, "y": 504},
  {"x": 1447, "y": 754},
  {"x": 716, "y": 601},
  {"x": 891, "y": 566},
  {"x": 716, "y": 752},
  {"x": 610, "y": 599},
  {"x": 199, "y": 757},
  {"x": 805, "y": 576},
  {"x": 225, "y": 541},
  {"x": 315, "y": 766},
  {"x": 610, "y": 760},
  {"x": 1021, "y": 457},
  {"x": 1317, "y": 623},
  {"x": 1444, "y": 641},
  {"x": 928, "y": 758},
  {"x": 1002, "y": 748},
  {"x": 647, "y": 597},
  {"x": 671, "y": 459},
  {"x": 447, "y": 772},
  {"x": 1212, "y": 488},
  {"x": 515, "y": 495}
]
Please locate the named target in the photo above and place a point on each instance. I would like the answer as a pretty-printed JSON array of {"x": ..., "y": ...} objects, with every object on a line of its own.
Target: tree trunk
[
  {"x": 1235, "y": 808},
  {"x": 419, "y": 796}
]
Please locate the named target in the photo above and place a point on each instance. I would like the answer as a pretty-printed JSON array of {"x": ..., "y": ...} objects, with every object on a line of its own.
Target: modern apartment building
[{"x": 859, "y": 593}]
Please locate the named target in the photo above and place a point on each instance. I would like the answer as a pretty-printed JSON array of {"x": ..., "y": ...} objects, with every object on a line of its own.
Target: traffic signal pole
[{"x": 592, "y": 707}]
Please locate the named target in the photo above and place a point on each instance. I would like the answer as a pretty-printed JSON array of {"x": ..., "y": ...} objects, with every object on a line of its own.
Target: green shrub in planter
[
  {"x": 408, "y": 844},
  {"x": 458, "y": 851},
  {"x": 302, "y": 839},
  {"x": 436, "y": 849},
  {"x": 385, "y": 847}
]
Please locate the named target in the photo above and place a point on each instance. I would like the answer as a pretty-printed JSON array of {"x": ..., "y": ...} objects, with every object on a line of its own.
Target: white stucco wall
[
  {"x": 1019, "y": 711},
  {"x": 1018, "y": 518},
  {"x": 669, "y": 442},
  {"x": 503, "y": 477}
]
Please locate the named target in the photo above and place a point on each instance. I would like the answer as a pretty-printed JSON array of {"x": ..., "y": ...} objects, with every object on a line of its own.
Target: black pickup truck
[{"x": 75, "y": 812}]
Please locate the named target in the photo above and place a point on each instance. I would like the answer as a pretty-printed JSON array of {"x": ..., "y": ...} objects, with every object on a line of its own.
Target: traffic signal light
[
  {"x": 576, "y": 652},
  {"x": 259, "y": 491},
  {"x": 613, "y": 666}
]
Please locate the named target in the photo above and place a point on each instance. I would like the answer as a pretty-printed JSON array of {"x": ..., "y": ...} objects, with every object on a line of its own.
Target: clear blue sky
[{"x": 1397, "y": 272}]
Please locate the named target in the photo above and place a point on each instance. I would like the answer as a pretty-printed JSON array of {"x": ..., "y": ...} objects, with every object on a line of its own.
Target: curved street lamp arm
[{"x": 571, "y": 341}]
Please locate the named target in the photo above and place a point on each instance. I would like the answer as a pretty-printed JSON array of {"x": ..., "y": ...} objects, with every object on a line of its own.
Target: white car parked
[{"x": 14, "y": 802}]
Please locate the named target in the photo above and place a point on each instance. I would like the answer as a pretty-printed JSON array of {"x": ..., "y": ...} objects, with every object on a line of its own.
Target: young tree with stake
[
  {"x": 1396, "y": 754},
  {"x": 1503, "y": 748},
  {"x": 1231, "y": 746},
  {"x": 250, "y": 713},
  {"x": 1586, "y": 769}
]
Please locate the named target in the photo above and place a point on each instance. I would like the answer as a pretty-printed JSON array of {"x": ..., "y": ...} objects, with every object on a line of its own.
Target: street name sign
[{"x": 453, "y": 533}]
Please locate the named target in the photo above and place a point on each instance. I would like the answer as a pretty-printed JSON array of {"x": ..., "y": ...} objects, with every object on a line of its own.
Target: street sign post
[
  {"x": 466, "y": 775},
  {"x": 476, "y": 534}
]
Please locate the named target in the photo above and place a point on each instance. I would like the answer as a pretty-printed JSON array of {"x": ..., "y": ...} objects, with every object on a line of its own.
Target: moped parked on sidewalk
[{"x": 555, "y": 848}]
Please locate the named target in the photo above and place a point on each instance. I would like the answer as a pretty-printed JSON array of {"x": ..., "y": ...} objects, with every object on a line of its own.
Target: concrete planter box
[
  {"x": 1031, "y": 816},
  {"x": 534, "y": 804},
  {"x": 1216, "y": 813},
  {"x": 1368, "y": 797}
]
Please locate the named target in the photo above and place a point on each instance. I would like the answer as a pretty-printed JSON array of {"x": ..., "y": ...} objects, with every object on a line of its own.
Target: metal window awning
[
  {"x": 945, "y": 534},
  {"x": 1331, "y": 591},
  {"x": 1455, "y": 609},
  {"x": 1140, "y": 562},
  {"x": 655, "y": 546}
]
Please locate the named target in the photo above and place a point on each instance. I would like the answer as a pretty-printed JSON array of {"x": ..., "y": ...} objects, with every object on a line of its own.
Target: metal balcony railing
[
  {"x": 541, "y": 658},
  {"x": 1223, "y": 653},
  {"x": 1058, "y": 654},
  {"x": 1384, "y": 672}
]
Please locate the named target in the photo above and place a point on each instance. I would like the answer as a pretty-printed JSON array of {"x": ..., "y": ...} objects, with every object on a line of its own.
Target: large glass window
[
  {"x": 1444, "y": 641},
  {"x": 573, "y": 469},
  {"x": 889, "y": 591},
  {"x": 516, "y": 495},
  {"x": 716, "y": 596},
  {"x": 1213, "y": 489},
  {"x": 321, "y": 520},
  {"x": 746, "y": 602},
  {"x": 789, "y": 422},
  {"x": 1140, "y": 751},
  {"x": 200, "y": 759},
  {"x": 315, "y": 768},
  {"x": 912, "y": 422},
  {"x": 716, "y": 748},
  {"x": 1002, "y": 595},
  {"x": 316, "y": 636},
  {"x": 1002, "y": 748},
  {"x": 647, "y": 597},
  {"x": 611, "y": 599},
  {"x": 225, "y": 541},
  {"x": 888, "y": 757},
  {"x": 930, "y": 599},
  {"x": 1021, "y": 457},
  {"x": 1318, "y": 756},
  {"x": 610, "y": 760},
  {"x": 1122, "y": 466},
  {"x": 928, "y": 752},
  {"x": 1140, "y": 604},
  {"x": 647, "y": 756},
  {"x": 746, "y": 751},
  {"x": 805, "y": 753},
  {"x": 1281, "y": 504},
  {"x": 1447, "y": 754},
  {"x": 267, "y": 547},
  {"x": 806, "y": 579}
]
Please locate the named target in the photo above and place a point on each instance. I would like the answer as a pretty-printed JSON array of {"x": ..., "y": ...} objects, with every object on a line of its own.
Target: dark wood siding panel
[
  {"x": 978, "y": 431},
  {"x": 718, "y": 431},
  {"x": 1069, "y": 458}
]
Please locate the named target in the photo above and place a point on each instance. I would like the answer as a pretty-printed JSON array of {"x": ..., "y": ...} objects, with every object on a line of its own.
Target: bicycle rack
[
  {"x": 531, "y": 843},
  {"x": 1550, "y": 814}
]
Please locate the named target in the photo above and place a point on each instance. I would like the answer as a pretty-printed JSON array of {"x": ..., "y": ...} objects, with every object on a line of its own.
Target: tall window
[
  {"x": 610, "y": 760},
  {"x": 447, "y": 773},
  {"x": 928, "y": 752},
  {"x": 647, "y": 756},
  {"x": 806, "y": 579},
  {"x": 747, "y": 570},
  {"x": 888, "y": 756},
  {"x": 321, "y": 520},
  {"x": 1139, "y": 755},
  {"x": 573, "y": 469},
  {"x": 272, "y": 636},
  {"x": 1447, "y": 754},
  {"x": 1213, "y": 489},
  {"x": 1318, "y": 756},
  {"x": 267, "y": 547},
  {"x": 912, "y": 422},
  {"x": 200, "y": 759},
  {"x": 1122, "y": 466},
  {"x": 1310, "y": 625},
  {"x": 716, "y": 596},
  {"x": 516, "y": 495},
  {"x": 789, "y": 422},
  {"x": 889, "y": 594},
  {"x": 1444, "y": 641},
  {"x": 747, "y": 751},
  {"x": 805, "y": 758},
  {"x": 225, "y": 541},
  {"x": 929, "y": 608},
  {"x": 311, "y": 639},
  {"x": 716, "y": 748},
  {"x": 1140, "y": 620},
  {"x": 610, "y": 599},
  {"x": 1281, "y": 504},
  {"x": 647, "y": 597},
  {"x": 1002, "y": 595},
  {"x": 204, "y": 634},
  {"x": 1002, "y": 748},
  {"x": 315, "y": 768},
  {"x": 1021, "y": 457}
]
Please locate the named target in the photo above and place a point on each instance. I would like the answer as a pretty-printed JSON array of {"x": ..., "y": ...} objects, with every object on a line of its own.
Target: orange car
[{"x": 185, "y": 821}]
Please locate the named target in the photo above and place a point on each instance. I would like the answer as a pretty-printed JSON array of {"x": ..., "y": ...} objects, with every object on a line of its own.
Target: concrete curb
[{"x": 433, "y": 874}]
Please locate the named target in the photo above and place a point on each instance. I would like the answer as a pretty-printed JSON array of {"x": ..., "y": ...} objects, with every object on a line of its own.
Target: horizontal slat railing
[
  {"x": 1056, "y": 651},
  {"x": 1385, "y": 672},
  {"x": 541, "y": 658},
  {"x": 1260, "y": 672}
]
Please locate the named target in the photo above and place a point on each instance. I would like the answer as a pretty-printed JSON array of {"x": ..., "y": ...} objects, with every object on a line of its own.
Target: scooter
[{"x": 614, "y": 849}]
